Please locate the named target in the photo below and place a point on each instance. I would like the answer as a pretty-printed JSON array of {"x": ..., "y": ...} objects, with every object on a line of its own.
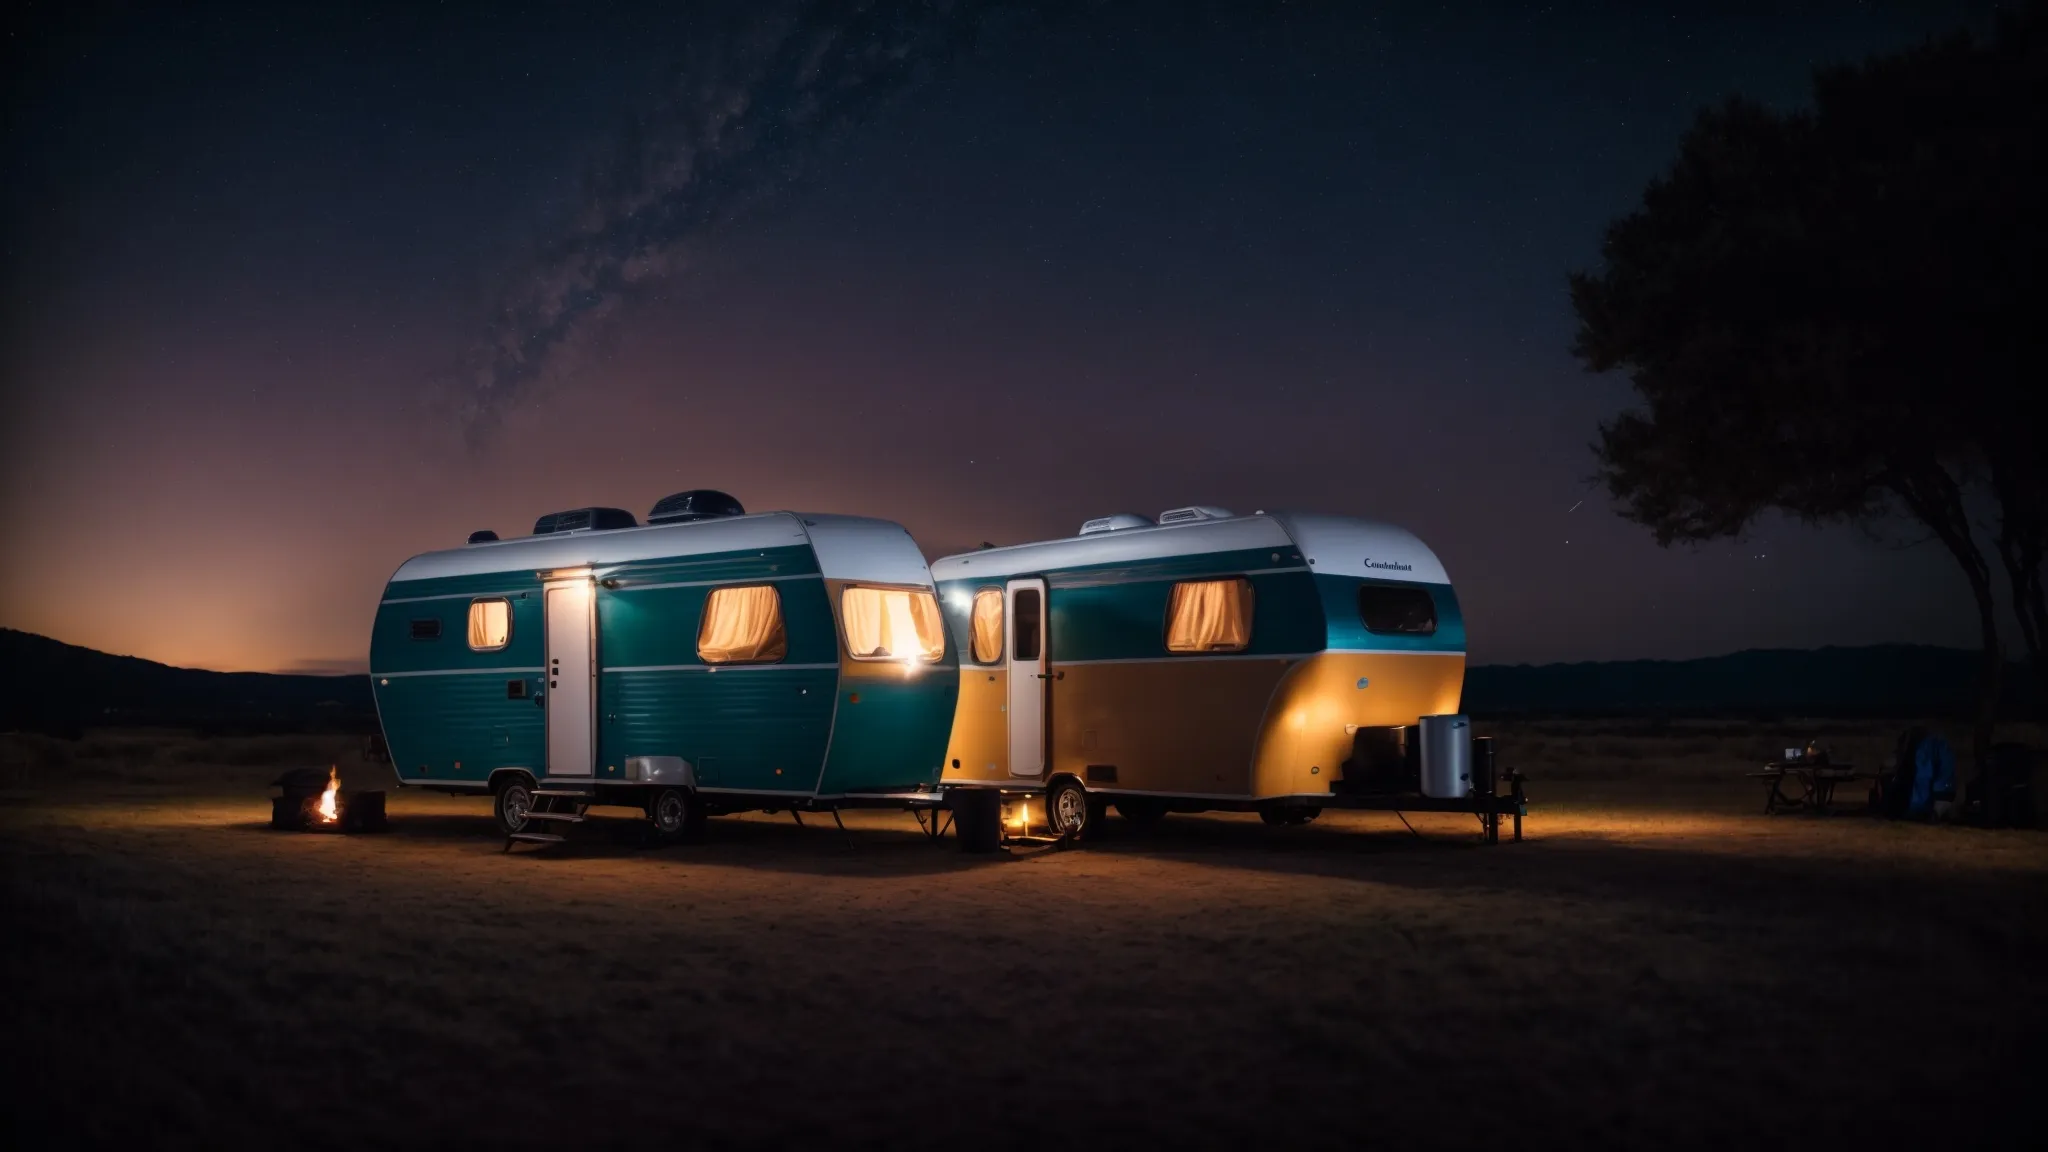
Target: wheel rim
[
  {"x": 518, "y": 802},
  {"x": 668, "y": 812},
  {"x": 1072, "y": 809}
]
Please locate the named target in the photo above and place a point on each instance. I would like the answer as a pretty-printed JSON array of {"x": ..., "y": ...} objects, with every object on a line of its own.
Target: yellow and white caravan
[{"x": 1205, "y": 660}]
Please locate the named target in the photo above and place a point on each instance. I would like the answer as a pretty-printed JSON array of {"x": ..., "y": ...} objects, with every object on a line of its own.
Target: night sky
[{"x": 292, "y": 295}]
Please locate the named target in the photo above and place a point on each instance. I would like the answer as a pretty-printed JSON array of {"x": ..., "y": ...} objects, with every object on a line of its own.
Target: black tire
[
  {"x": 676, "y": 814},
  {"x": 1068, "y": 811},
  {"x": 510, "y": 802},
  {"x": 1141, "y": 810},
  {"x": 1289, "y": 817}
]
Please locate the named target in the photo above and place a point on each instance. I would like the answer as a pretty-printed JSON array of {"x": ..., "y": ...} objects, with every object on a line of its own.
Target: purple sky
[{"x": 1124, "y": 260}]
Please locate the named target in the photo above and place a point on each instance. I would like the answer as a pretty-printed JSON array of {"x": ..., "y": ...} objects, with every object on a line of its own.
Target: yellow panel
[
  {"x": 981, "y": 730},
  {"x": 1258, "y": 727},
  {"x": 1305, "y": 740},
  {"x": 1183, "y": 726}
]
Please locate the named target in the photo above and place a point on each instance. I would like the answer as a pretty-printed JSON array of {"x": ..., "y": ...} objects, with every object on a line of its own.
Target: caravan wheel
[
  {"x": 1068, "y": 811},
  {"x": 511, "y": 804},
  {"x": 676, "y": 814}
]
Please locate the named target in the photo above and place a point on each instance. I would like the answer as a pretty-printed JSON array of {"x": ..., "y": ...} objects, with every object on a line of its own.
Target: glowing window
[
  {"x": 742, "y": 626},
  {"x": 988, "y": 625},
  {"x": 1209, "y": 616},
  {"x": 490, "y": 624},
  {"x": 892, "y": 624},
  {"x": 1401, "y": 611}
]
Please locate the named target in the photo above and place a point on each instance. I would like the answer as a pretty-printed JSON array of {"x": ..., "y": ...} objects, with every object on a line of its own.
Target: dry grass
[{"x": 1659, "y": 965}]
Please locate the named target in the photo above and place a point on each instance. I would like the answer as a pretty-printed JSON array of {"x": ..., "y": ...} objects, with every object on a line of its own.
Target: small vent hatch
[
  {"x": 1194, "y": 513},
  {"x": 1113, "y": 522}
]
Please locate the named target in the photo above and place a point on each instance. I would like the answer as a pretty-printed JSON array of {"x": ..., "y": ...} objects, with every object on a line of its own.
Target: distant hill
[
  {"x": 1884, "y": 680},
  {"x": 59, "y": 688},
  {"x": 50, "y": 686}
]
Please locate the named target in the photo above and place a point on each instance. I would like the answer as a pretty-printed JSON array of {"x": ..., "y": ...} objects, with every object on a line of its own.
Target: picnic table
[{"x": 1804, "y": 785}]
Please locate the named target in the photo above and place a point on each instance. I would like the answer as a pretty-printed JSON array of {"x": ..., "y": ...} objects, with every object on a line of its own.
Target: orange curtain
[
  {"x": 490, "y": 624},
  {"x": 1210, "y": 616},
  {"x": 988, "y": 625},
  {"x": 892, "y": 624},
  {"x": 743, "y": 626}
]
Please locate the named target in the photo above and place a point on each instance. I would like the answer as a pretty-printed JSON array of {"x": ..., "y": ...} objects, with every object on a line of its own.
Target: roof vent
[
  {"x": 482, "y": 536},
  {"x": 584, "y": 520},
  {"x": 1113, "y": 522},
  {"x": 696, "y": 504},
  {"x": 1194, "y": 513}
]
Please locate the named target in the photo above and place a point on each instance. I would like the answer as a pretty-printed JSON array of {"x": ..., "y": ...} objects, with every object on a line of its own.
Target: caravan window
[
  {"x": 1403, "y": 611},
  {"x": 490, "y": 624},
  {"x": 742, "y": 626},
  {"x": 988, "y": 625},
  {"x": 1210, "y": 616},
  {"x": 892, "y": 624}
]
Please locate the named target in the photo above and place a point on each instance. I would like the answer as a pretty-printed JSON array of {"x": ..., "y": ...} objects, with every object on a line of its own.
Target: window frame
[
  {"x": 1002, "y": 631},
  {"x": 846, "y": 644},
  {"x": 704, "y": 618},
  {"x": 1250, "y": 625},
  {"x": 1365, "y": 588},
  {"x": 507, "y": 602}
]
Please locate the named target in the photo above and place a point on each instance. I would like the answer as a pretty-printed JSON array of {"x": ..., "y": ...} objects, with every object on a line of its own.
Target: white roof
[
  {"x": 847, "y": 547},
  {"x": 1331, "y": 544}
]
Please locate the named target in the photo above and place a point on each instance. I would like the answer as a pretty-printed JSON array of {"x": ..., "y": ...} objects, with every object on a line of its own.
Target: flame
[{"x": 327, "y": 810}]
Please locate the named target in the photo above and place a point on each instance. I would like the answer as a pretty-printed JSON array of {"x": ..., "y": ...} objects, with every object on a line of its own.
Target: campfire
[{"x": 309, "y": 801}]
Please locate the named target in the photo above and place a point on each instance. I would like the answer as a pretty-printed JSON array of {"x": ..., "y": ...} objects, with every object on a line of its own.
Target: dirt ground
[{"x": 1660, "y": 964}]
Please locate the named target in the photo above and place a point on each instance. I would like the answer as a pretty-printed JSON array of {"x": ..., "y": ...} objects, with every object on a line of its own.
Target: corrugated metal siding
[
  {"x": 894, "y": 738},
  {"x": 434, "y": 723},
  {"x": 761, "y": 728}
]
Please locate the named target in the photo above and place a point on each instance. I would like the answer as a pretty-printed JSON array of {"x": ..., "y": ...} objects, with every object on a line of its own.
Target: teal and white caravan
[{"x": 708, "y": 662}]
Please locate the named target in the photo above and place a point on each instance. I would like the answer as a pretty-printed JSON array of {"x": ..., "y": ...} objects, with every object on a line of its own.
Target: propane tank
[{"x": 1446, "y": 757}]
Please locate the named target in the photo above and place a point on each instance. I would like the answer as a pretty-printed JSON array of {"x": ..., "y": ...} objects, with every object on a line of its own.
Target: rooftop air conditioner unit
[{"x": 584, "y": 520}]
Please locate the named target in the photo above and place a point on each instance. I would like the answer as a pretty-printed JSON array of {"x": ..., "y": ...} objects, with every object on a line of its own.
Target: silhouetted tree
[{"x": 1832, "y": 313}]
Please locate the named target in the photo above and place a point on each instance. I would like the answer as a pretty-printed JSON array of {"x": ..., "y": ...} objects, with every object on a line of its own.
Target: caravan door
[
  {"x": 1029, "y": 683},
  {"x": 571, "y": 698}
]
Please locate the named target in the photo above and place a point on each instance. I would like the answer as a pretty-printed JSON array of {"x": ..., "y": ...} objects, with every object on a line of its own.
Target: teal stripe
[
  {"x": 393, "y": 651},
  {"x": 1096, "y": 620},
  {"x": 657, "y": 627},
  {"x": 1347, "y": 628}
]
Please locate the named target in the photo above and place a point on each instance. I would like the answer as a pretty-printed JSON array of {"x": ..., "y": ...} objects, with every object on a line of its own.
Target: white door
[
  {"x": 572, "y": 673},
  {"x": 1029, "y": 682}
]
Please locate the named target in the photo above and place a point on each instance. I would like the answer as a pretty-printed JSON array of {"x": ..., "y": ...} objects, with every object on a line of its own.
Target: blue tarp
[{"x": 1934, "y": 775}]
